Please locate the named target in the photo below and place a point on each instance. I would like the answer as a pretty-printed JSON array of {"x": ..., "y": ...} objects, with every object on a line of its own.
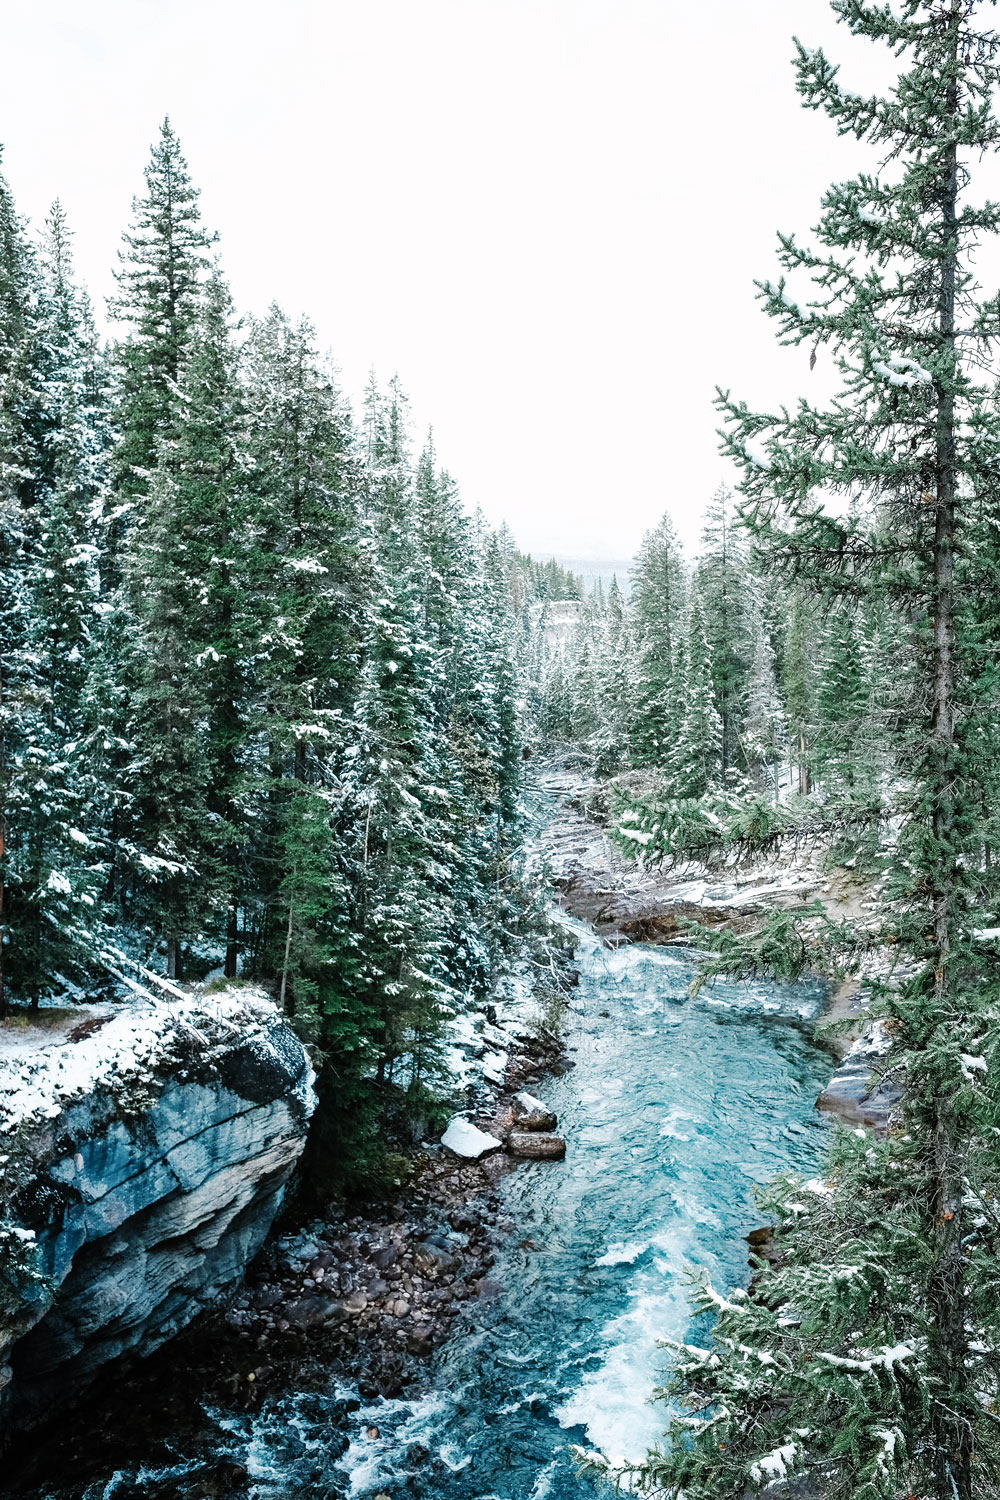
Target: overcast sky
[{"x": 545, "y": 215}]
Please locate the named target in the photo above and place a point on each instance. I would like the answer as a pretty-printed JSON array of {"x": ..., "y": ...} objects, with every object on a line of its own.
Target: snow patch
[
  {"x": 904, "y": 372},
  {"x": 775, "y": 1465},
  {"x": 127, "y": 1047}
]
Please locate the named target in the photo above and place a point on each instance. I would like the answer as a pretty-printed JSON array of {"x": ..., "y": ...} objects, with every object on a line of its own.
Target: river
[{"x": 674, "y": 1111}]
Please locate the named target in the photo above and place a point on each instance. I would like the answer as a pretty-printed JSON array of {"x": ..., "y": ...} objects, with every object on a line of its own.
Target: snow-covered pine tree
[
  {"x": 62, "y": 820},
  {"x": 556, "y": 718},
  {"x": 866, "y": 1360},
  {"x": 584, "y": 683},
  {"x": 658, "y": 603},
  {"x": 169, "y": 852},
  {"x": 216, "y": 526},
  {"x": 187, "y": 592},
  {"x": 404, "y": 780},
  {"x": 694, "y": 759},
  {"x": 725, "y": 589},
  {"x": 51, "y": 449},
  {"x": 163, "y": 268},
  {"x": 765, "y": 731},
  {"x": 471, "y": 626},
  {"x": 17, "y": 349},
  {"x": 614, "y": 672},
  {"x": 164, "y": 265},
  {"x": 841, "y": 699},
  {"x": 308, "y": 579},
  {"x": 798, "y": 675}
]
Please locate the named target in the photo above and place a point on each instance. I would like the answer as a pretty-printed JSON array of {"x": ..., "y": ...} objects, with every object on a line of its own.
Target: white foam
[
  {"x": 671, "y": 1121},
  {"x": 621, "y": 1254},
  {"x": 453, "y": 1459},
  {"x": 368, "y": 1460}
]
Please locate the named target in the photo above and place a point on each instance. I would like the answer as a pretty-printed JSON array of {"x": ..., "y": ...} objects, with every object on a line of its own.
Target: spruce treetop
[{"x": 165, "y": 258}]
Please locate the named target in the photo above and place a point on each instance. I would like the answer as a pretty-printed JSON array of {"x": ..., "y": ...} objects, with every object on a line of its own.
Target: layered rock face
[{"x": 138, "y": 1200}]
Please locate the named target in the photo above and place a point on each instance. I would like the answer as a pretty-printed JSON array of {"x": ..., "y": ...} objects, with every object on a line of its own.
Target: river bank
[
  {"x": 626, "y": 901},
  {"x": 388, "y": 1351}
]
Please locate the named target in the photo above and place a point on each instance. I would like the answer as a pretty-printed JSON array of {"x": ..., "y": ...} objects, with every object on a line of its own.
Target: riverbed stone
[
  {"x": 528, "y": 1113},
  {"x": 536, "y": 1145}
]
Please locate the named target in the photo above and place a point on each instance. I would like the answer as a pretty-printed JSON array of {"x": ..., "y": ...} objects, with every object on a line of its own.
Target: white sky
[{"x": 546, "y": 215}]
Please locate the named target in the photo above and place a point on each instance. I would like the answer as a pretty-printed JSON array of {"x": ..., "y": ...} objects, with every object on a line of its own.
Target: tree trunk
[
  {"x": 173, "y": 957},
  {"x": 949, "y": 1348},
  {"x": 288, "y": 950},
  {"x": 232, "y": 942},
  {"x": 3, "y": 925}
]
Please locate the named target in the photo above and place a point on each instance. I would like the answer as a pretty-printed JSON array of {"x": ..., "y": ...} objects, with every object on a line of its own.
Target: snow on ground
[
  {"x": 41, "y": 1071},
  {"x": 479, "y": 1042}
]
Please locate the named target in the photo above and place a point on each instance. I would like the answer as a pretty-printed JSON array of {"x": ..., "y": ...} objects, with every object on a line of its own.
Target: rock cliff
[{"x": 148, "y": 1149}]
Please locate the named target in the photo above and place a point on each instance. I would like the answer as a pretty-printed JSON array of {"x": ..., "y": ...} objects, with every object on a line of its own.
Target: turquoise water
[{"x": 674, "y": 1110}]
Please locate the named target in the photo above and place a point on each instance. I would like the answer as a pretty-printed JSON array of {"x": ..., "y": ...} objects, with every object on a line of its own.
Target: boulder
[
  {"x": 145, "y": 1178},
  {"x": 433, "y": 1258},
  {"x": 421, "y": 1340},
  {"x": 311, "y": 1312},
  {"x": 530, "y": 1114},
  {"x": 467, "y": 1140},
  {"x": 536, "y": 1144}
]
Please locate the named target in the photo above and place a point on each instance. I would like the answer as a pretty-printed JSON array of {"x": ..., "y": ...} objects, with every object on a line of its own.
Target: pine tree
[
  {"x": 695, "y": 757},
  {"x": 725, "y": 588},
  {"x": 61, "y": 825},
  {"x": 50, "y": 482},
  {"x": 764, "y": 728},
  {"x": 867, "y": 1358},
  {"x": 404, "y": 785},
  {"x": 216, "y": 527},
  {"x": 163, "y": 270},
  {"x": 306, "y": 577},
  {"x": 800, "y": 647},
  {"x": 615, "y": 686},
  {"x": 658, "y": 600},
  {"x": 841, "y": 700},
  {"x": 170, "y": 852},
  {"x": 16, "y": 351}
]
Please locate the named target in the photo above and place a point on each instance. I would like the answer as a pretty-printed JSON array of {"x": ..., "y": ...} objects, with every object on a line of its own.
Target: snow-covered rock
[
  {"x": 530, "y": 1113},
  {"x": 855, "y": 1093},
  {"x": 146, "y": 1161},
  {"x": 466, "y": 1139}
]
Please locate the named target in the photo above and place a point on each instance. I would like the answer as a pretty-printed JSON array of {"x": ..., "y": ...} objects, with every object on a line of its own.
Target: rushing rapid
[{"x": 675, "y": 1110}]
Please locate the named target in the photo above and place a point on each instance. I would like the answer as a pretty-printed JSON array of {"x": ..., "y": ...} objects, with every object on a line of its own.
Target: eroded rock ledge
[{"x": 146, "y": 1162}]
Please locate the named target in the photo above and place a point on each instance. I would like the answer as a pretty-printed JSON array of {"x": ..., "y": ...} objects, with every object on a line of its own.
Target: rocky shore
[
  {"x": 358, "y": 1298},
  {"x": 367, "y": 1296}
]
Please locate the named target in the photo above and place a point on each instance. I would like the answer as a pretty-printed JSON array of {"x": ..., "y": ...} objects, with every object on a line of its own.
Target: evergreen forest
[
  {"x": 277, "y": 709},
  {"x": 261, "y": 703}
]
